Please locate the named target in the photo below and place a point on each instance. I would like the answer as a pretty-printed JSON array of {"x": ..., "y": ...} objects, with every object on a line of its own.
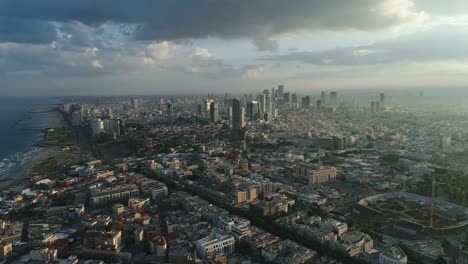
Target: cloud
[
  {"x": 252, "y": 72},
  {"x": 151, "y": 59},
  {"x": 49, "y": 60},
  {"x": 265, "y": 44},
  {"x": 77, "y": 33},
  {"x": 202, "y": 58},
  {"x": 26, "y": 31},
  {"x": 260, "y": 20},
  {"x": 435, "y": 44},
  {"x": 438, "y": 7},
  {"x": 156, "y": 39},
  {"x": 161, "y": 50},
  {"x": 96, "y": 64}
]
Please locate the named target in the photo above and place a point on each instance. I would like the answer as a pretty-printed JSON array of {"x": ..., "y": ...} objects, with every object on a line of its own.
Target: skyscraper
[
  {"x": 294, "y": 100},
  {"x": 122, "y": 126},
  {"x": 280, "y": 91},
  {"x": 199, "y": 110},
  {"x": 97, "y": 126},
  {"x": 237, "y": 115},
  {"x": 306, "y": 102},
  {"x": 206, "y": 107},
  {"x": 253, "y": 110},
  {"x": 334, "y": 98},
  {"x": 229, "y": 113},
  {"x": 319, "y": 105},
  {"x": 262, "y": 99},
  {"x": 134, "y": 103},
  {"x": 170, "y": 111},
  {"x": 382, "y": 98},
  {"x": 375, "y": 107},
  {"x": 323, "y": 97},
  {"x": 286, "y": 98},
  {"x": 114, "y": 127},
  {"x": 214, "y": 112},
  {"x": 76, "y": 114},
  {"x": 237, "y": 131},
  {"x": 75, "y": 117}
]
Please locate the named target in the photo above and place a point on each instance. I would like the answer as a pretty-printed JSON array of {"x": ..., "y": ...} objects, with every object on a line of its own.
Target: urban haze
[{"x": 234, "y": 132}]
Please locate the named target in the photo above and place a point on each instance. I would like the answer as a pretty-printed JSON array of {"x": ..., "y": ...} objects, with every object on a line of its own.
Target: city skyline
[
  {"x": 234, "y": 131},
  {"x": 199, "y": 47},
  {"x": 271, "y": 176}
]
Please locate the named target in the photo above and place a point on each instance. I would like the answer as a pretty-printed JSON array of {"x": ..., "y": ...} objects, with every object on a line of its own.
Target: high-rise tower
[
  {"x": 214, "y": 112},
  {"x": 238, "y": 122}
]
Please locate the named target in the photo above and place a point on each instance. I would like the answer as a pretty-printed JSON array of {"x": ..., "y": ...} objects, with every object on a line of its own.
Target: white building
[
  {"x": 216, "y": 243},
  {"x": 236, "y": 226}
]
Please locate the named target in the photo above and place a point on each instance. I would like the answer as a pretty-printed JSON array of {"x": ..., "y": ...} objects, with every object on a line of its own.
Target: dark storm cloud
[
  {"x": 18, "y": 30},
  {"x": 43, "y": 59},
  {"x": 440, "y": 43},
  {"x": 173, "y": 20}
]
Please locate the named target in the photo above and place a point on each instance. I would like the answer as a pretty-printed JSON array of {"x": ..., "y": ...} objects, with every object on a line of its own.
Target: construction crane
[{"x": 434, "y": 184}]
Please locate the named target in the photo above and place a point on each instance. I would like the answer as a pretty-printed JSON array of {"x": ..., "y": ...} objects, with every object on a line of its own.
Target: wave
[
  {"x": 22, "y": 139},
  {"x": 11, "y": 164}
]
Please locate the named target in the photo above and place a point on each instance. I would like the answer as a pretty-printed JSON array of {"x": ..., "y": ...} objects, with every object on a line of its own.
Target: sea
[{"x": 22, "y": 120}]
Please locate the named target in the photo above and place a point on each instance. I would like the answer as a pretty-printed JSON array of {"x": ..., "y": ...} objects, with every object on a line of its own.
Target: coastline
[
  {"x": 24, "y": 169},
  {"x": 38, "y": 153}
]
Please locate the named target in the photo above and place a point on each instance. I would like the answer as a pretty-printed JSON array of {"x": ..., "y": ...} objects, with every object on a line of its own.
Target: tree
[{"x": 317, "y": 210}]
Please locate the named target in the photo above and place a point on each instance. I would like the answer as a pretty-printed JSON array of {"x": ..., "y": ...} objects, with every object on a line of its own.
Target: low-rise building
[
  {"x": 102, "y": 242},
  {"x": 106, "y": 196},
  {"x": 138, "y": 204},
  {"x": 246, "y": 195},
  {"x": 322, "y": 175},
  {"x": 6, "y": 248},
  {"x": 118, "y": 209},
  {"x": 288, "y": 252},
  {"x": 234, "y": 225},
  {"x": 73, "y": 213},
  {"x": 355, "y": 243},
  {"x": 158, "y": 246},
  {"x": 158, "y": 192},
  {"x": 278, "y": 205},
  {"x": 393, "y": 255},
  {"x": 339, "y": 227},
  {"x": 216, "y": 243},
  {"x": 181, "y": 252}
]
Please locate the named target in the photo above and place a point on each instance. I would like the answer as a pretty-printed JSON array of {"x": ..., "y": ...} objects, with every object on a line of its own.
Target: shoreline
[{"x": 23, "y": 169}]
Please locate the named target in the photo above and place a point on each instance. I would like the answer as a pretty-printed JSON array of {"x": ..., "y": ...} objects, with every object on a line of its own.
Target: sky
[{"x": 121, "y": 47}]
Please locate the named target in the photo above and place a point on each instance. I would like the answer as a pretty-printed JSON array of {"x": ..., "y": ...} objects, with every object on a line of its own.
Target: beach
[
  {"x": 22, "y": 124},
  {"x": 22, "y": 170}
]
